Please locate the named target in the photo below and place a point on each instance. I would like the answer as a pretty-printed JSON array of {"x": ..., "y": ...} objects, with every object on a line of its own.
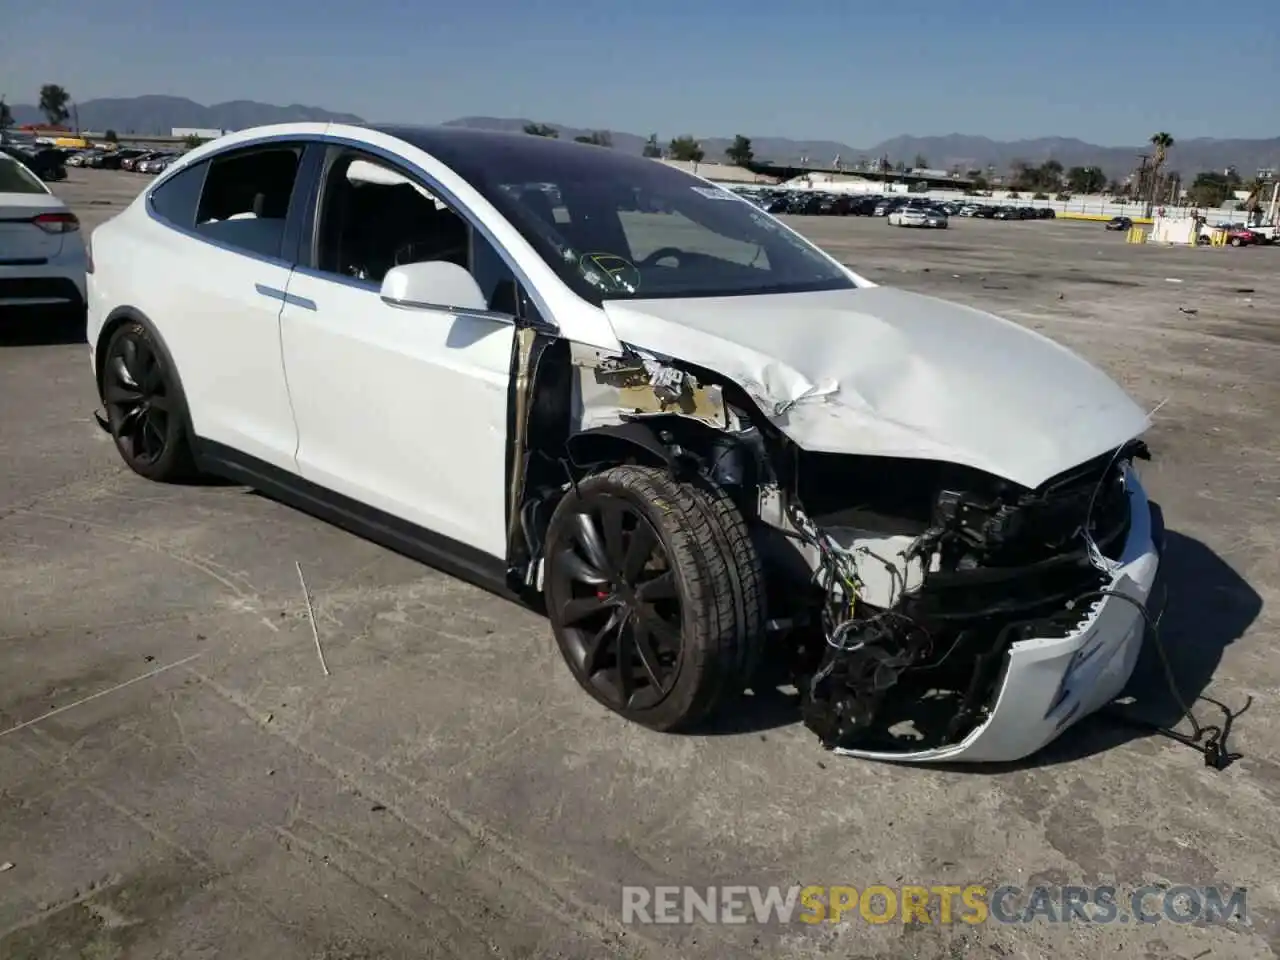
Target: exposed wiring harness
[
  {"x": 1099, "y": 559},
  {"x": 1210, "y": 740},
  {"x": 836, "y": 574}
]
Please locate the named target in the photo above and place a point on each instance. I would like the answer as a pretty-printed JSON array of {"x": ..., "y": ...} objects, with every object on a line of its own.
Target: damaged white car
[{"x": 606, "y": 387}]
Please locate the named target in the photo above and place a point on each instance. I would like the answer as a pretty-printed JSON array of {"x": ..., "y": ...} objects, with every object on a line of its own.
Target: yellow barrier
[
  {"x": 1218, "y": 238},
  {"x": 1136, "y": 235},
  {"x": 1100, "y": 217}
]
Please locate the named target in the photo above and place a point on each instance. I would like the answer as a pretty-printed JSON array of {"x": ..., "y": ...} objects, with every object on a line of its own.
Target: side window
[
  {"x": 372, "y": 217},
  {"x": 246, "y": 199},
  {"x": 175, "y": 200}
]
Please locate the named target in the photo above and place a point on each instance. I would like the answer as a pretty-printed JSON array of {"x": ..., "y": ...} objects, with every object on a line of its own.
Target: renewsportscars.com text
[{"x": 940, "y": 903}]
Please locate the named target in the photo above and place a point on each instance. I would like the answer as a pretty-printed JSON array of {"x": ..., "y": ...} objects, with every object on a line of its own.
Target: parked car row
[
  {"x": 995, "y": 212},
  {"x": 821, "y": 203},
  {"x": 125, "y": 158}
]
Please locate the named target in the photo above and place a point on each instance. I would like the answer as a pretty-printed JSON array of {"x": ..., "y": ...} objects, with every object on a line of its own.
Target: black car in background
[
  {"x": 112, "y": 161},
  {"x": 1119, "y": 223},
  {"x": 47, "y": 163}
]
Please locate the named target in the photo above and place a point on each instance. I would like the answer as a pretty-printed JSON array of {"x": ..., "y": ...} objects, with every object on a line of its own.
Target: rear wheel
[
  {"x": 655, "y": 595},
  {"x": 145, "y": 407}
]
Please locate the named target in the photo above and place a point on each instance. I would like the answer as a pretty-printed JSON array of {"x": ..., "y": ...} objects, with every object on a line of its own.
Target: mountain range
[{"x": 156, "y": 114}]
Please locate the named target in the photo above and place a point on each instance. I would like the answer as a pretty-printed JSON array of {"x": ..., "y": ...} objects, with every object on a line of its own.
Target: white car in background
[
  {"x": 42, "y": 256},
  {"x": 619, "y": 393},
  {"x": 918, "y": 217}
]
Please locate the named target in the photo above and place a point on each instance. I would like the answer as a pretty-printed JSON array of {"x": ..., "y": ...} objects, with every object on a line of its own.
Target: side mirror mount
[{"x": 433, "y": 285}]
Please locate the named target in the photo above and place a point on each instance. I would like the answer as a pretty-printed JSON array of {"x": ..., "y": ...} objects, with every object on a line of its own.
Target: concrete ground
[{"x": 448, "y": 791}]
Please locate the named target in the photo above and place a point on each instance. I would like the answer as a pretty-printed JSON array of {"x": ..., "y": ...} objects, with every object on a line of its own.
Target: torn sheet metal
[
  {"x": 884, "y": 372},
  {"x": 609, "y": 388}
]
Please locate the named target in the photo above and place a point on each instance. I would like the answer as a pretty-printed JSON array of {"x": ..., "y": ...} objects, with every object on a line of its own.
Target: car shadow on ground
[
  {"x": 1209, "y": 607},
  {"x": 37, "y": 328}
]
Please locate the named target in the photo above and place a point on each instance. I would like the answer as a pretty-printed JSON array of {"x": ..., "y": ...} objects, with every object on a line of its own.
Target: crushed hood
[{"x": 883, "y": 372}]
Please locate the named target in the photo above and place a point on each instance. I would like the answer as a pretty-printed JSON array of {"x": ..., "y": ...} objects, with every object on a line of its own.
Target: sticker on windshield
[
  {"x": 715, "y": 193},
  {"x": 609, "y": 271}
]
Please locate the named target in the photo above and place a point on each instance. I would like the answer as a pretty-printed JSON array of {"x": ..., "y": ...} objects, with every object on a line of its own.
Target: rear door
[{"x": 227, "y": 262}]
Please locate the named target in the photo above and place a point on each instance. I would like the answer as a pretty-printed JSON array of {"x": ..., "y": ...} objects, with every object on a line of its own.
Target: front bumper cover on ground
[{"x": 1048, "y": 684}]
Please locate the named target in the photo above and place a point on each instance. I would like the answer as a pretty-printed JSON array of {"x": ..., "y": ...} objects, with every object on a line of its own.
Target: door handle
[
  {"x": 291, "y": 299},
  {"x": 271, "y": 292}
]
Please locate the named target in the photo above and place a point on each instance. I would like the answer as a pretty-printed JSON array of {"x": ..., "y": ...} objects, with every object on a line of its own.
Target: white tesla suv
[
  {"x": 616, "y": 391},
  {"x": 42, "y": 258}
]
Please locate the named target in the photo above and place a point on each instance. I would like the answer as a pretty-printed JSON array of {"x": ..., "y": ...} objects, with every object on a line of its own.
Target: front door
[{"x": 404, "y": 410}]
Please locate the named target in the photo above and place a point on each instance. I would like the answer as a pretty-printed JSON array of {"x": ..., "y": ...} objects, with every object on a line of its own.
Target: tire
[
  {"x": 697, "y": 603},
  {"x": 1235, "y": 242},
  {"x": 146, "y": 409}
]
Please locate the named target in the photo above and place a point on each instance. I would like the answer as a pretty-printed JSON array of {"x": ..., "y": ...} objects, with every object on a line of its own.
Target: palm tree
[{"x": 1163, "y": 142}]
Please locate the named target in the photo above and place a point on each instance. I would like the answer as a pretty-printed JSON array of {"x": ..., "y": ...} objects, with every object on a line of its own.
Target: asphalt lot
[{"x": 448, "y": 791}]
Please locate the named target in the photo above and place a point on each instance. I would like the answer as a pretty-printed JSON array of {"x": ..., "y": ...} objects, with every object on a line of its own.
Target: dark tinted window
[
  {"x": 616, "y": 226},
  {"x": 175, "y": 200},
  {"x": 373, "y": 217},
  {"x": 246, "y": 199},
  {"x": 16, "y": 178}
]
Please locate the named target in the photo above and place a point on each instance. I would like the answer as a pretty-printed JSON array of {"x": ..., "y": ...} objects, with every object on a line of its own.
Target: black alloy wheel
[
  {"x": 144, "y": 405},
  {"x": 617, "y": 603},
  {"x": 655, "y": 594}
]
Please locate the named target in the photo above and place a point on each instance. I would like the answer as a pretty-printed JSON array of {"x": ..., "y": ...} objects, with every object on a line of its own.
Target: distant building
[
  {"x": 932, "y": 173},
  {"x": 723, "y": 172},
  {"x": 204, "y": 133}
]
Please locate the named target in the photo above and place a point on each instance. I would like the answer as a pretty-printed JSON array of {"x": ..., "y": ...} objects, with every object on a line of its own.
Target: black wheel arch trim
[{"x": 615, "y": 442}]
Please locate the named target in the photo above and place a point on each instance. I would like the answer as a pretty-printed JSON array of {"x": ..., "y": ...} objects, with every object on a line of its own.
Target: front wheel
[
  {"x": 145, "y": 407},
  {"x": 655, "y": 595}
]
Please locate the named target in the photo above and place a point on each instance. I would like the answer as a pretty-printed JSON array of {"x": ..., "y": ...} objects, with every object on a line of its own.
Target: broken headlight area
[{"x": 926, "y": 582}]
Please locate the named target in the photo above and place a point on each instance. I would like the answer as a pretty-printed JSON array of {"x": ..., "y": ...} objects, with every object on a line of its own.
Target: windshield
[
  {"x": 15, "y": 178},
  {"x": 617, "y": 226}
]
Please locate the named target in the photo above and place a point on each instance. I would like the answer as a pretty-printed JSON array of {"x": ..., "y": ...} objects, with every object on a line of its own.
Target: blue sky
[{"x": 845, "y": 70}]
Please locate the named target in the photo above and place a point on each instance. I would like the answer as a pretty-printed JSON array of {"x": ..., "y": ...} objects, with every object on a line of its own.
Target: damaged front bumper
[{"x": 1050, "y": 683}]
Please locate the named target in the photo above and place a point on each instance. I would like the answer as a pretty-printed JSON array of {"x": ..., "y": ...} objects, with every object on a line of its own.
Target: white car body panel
[
  {"x": 884, "y": 372},
  {"x": 29, "y": 253},
  {"x": 404, "y": 410},
  {"x": 575, "y": 318},
  {"x": 221, "y": 326}
]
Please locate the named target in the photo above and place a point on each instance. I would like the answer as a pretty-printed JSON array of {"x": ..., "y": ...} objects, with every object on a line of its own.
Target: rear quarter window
[
  {"x": 15, "y": 178},
  {"x": 175, "y": 200}
]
